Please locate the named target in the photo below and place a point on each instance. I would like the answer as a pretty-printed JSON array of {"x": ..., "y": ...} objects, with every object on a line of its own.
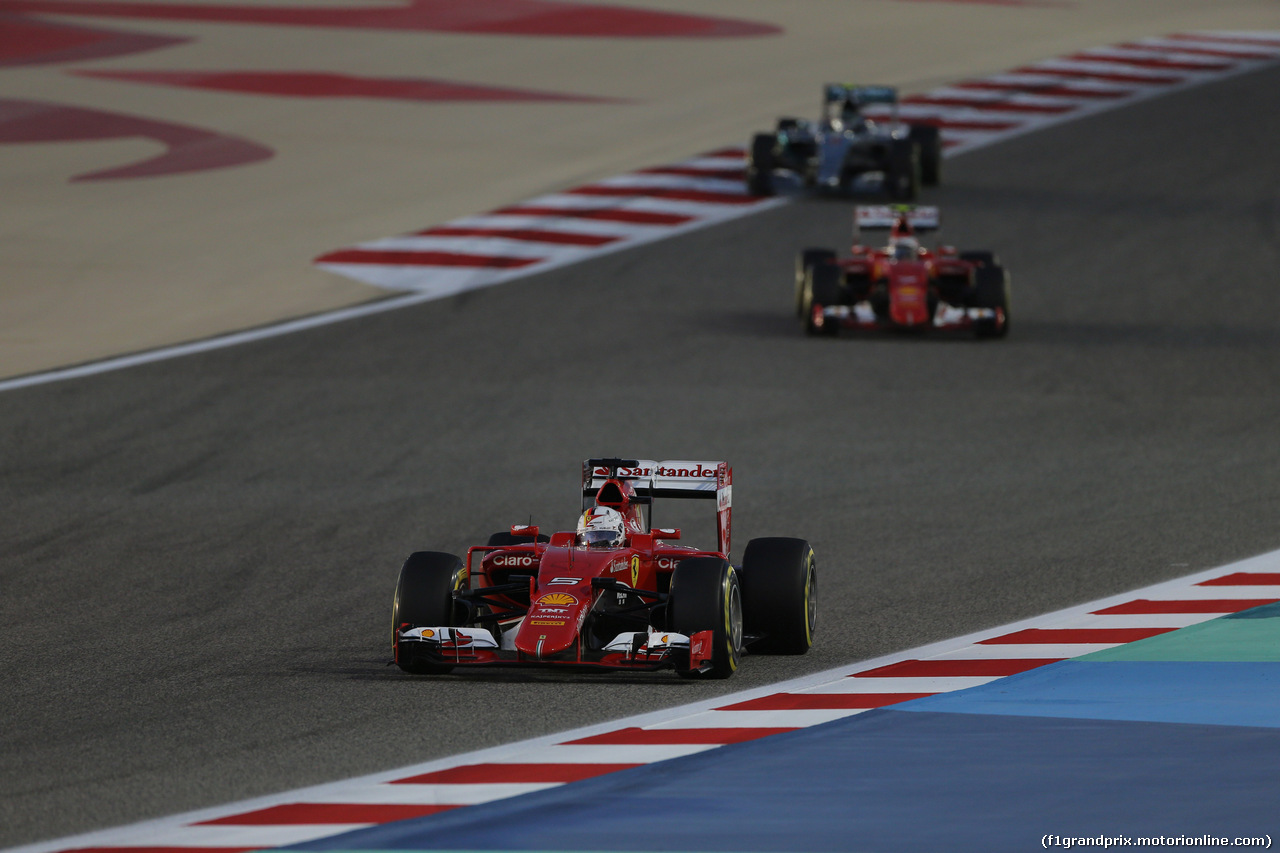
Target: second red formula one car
[
  {"x": 902, "y": 285},
  {"x": 615, "y": 593}
]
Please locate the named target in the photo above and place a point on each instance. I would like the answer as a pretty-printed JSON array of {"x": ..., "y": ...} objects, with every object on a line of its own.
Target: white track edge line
[
  {"x": 366, "y": 309},
  {"x": 1094, "y": 107},
  {"x": 1266, "y": 561},
  {"x": 394, "y": 303}
]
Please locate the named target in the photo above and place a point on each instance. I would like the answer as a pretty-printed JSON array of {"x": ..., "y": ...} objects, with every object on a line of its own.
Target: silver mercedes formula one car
[{"x": 847, "y": 150}]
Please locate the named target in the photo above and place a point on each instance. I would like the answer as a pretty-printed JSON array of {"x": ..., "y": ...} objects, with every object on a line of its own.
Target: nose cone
[
  {"x": 553, "y": 621},
  {"x": 909, "y": 294}
]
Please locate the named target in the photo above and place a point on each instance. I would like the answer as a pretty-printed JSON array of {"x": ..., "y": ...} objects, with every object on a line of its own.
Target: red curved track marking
[
  {"x": 188, "y": 149},
  {"x": 30, "y": 41},
  {"x": 305, "y": 84},
  {"x": 509, "y": 17}
]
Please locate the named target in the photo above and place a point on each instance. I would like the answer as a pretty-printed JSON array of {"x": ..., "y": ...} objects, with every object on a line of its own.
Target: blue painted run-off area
[
  {"x": 1215, "y": 693},
  {"x": 1079, "y": 748}
]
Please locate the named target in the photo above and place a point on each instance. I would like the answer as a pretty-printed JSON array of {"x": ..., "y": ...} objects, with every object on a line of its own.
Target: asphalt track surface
[{"x": 200, "y": 553}]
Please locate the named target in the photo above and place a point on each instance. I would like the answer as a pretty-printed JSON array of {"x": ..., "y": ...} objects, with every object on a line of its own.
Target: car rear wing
[
  {"x": 860, "y": 95},
  {"x": 669, "y": 479},
  {"x": 886, "y": 216}
]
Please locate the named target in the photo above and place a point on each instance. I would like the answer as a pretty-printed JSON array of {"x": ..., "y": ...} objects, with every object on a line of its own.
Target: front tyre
[
  {"x": 780, "y": 595},
  {"x": 760, "y": 165},
  {"x": 991, "y": 290},
  {"x": 822, "y": 289},
  {"x": 705, "y": 595},
  {"x": 424, "y": 596},
  {"x": 804, "y": 261},
  {"x": 903, "y": 177},
  {"x": 930, "y": 141}
]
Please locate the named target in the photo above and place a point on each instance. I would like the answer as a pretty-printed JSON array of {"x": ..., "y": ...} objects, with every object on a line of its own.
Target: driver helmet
[
  {"x": 601, "y": 527},
  {"x": 905, "y": 249}
]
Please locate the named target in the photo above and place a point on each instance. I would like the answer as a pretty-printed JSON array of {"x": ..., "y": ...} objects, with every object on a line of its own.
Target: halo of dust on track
[
  {"x": 200, "y": 553},
  {"x": 104, "y": 268}
]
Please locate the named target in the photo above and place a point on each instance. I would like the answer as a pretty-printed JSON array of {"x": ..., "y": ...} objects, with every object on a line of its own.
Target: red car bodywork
[
  {"x": 906, "y": 286},
  {"x": 543, "y": 594}
]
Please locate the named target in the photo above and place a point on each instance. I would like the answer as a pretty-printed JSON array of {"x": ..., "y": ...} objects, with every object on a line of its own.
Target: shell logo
[
  {"x": 428, "y": 633},
  {"x": 555, "y": 599}
]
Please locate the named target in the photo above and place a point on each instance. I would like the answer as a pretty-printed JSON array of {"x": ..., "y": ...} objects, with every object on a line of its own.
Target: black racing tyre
[
  {"x": 821, "y": 287},
  {"x": 779, "y": 579},
  {"x": 857, "y": 288},
  {"x": 424, "y": 596},
  {"x": 991, "y": 290},
  {"x": 760, "y": 164},
  {"x": 806, "y": 259},
  {"x": 929, "y": 139},
  {"x": 981, "y": 258},
  {"x": 903, "y": 179},
  {"x": 503, "y": 538},
  {"x": 705, "y": 596}
]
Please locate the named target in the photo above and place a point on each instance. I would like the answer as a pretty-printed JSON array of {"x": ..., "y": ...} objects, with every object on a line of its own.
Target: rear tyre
[
  {"x": 981, "y": 258},
  {"x": 821, "y": 288},
  {"x": 779, "y": 595},
  {"x": 424, "y": 596},
  {"x": 927, "y": 137},
  {"x": 760, "y": 164},
  {"x": 903, "y": 178},
  {"x": 991, "y": 290},
  {"x": 806, "y": 259},
  {"x": 705, "y": 596}
]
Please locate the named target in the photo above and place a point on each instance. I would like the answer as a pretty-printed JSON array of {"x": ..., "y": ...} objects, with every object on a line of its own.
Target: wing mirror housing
[{"x": 530, "y": 530}]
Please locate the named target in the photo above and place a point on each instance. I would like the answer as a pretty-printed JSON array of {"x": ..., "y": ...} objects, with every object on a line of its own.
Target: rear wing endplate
[{"x": 669, "y": 479}]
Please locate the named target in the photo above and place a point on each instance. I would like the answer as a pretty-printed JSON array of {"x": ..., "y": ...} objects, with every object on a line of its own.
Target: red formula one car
[
  {"x": 903, "y": 285},
  {"x": 614, "y": 594}
]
